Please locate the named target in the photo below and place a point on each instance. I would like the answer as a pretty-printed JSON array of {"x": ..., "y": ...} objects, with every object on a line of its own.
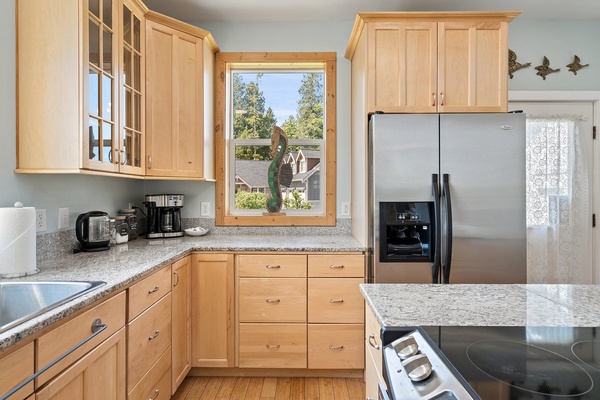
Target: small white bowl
[{"x": 198, "y": 231}]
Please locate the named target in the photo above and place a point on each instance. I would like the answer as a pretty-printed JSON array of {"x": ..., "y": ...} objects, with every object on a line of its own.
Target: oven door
[{"x": 383, "y": 393}]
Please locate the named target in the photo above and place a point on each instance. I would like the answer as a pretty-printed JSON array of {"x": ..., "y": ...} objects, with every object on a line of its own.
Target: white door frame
[{"x": 565, "y": 96}]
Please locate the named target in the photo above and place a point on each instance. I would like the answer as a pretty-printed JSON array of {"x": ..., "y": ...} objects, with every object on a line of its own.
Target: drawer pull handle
[
  {"x": 153, "y": 290},
  {"x": 332, "y": 347},
  {"x": 156, "y": 393},
  {"x": 97, "y": 328},
  {"x": 375, "y": 346},
  {"x": 273, "y": 266},
  {"x": 176, "y": 276},
  {"x": 443, "y": 100},
  {"x": 156, "y": 333},
  {"x": 273, "y": 300},
  {"x": 336, "y": 266},
  {"x": 273, "y": 346},
  {"x": 434, "y": 99},
  {"x": 336, "y": 300}
]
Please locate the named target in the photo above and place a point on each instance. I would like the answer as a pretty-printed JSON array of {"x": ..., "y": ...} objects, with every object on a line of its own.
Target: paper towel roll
[{"x": 17, "y": 242}]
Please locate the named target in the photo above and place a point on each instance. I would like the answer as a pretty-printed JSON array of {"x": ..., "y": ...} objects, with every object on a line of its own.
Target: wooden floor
[{"x": 222, "y": 388}]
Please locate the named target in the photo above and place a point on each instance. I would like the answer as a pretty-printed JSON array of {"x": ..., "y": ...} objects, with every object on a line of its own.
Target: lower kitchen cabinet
[
  {"x": 373, "y": 355},
  {"x": 156, "y": 384},
  {"x": 181, "y": 320},
  {"x": 16, "y": 367},
  {"x": 212, "y": 310},
  {"x": 98, "y": 375},
  {"x": 335, "y": 346},
  {"x": 272, "y": 346}
]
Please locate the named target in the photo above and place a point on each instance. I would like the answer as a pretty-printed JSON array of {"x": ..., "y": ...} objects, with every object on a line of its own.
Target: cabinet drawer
[
  {"x": 336, "y": 346},
  {"x": 156, "y": 384},
  {"x": 373, "y": 338},
  {"x": 272, "y": 266},
  {"x": 16, "y": 367},
  {"x": 336, "y": 265},
  {"x": 144, "y": 293},
  {"x": 333, "y": 300},
  {"x": 149, "y": 335},
  {"x": 272, "y": 300},
  {"x": 60, "y": 340},
  {"x": 272, "y": 346}
]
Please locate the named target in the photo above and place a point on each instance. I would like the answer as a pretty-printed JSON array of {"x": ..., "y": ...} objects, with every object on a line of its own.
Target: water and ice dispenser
[{"x": 406, "y": 231}]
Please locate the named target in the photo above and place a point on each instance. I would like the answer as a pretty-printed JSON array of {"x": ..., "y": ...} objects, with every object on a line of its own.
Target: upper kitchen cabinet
[
  {"x": 179, "y": 101},
  {"x": 421, "y": 62},
  {"x": 80, "y": 86}
]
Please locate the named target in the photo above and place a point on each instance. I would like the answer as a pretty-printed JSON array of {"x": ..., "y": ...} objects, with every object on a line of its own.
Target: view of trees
[{"x": 252, "y": 119}]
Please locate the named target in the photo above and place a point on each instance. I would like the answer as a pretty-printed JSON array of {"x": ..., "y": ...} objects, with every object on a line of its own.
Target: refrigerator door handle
[
  {"x": 448, "y": 206},
  {"x": 435, "y": 267}
]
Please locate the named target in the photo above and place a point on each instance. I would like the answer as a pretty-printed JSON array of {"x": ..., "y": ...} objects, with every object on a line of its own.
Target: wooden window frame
[{"x": 273, "y": 60}]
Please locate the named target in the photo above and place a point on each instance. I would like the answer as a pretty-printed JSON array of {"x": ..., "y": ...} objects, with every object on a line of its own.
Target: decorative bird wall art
[
  {"x": 545, "y": 69},
  {"x": 513, "y": 65},
  {"x": 574, "y": 66}
]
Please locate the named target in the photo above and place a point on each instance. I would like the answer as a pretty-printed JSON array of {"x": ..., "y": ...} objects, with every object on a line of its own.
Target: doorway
[{"x": 565, "y": 270}]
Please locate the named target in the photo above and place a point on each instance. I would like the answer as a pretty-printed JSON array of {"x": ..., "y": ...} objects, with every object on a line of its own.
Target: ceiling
[{"x": 339, "y": 10}]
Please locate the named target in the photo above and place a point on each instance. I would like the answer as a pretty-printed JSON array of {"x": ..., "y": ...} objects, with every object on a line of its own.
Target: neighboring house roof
[
  {"x": 309, "y": 153},
  {"x": 303, "y": 176},
  {"x": 252, "y": 172}
]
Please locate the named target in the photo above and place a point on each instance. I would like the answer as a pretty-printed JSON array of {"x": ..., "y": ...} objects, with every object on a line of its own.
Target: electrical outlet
[
  {"x": 346, "y": 209},
  {"x": 205, "y": 209},
  {"x": 63, "y": 217},
  {"x": 40, "y": 219}
]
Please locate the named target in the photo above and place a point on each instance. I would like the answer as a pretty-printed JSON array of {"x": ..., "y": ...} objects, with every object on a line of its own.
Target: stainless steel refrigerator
[{"x": 447, "y": 198}]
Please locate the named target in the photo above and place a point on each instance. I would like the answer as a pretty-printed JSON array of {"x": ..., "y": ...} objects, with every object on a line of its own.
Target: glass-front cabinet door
[
  {"x": 114, "y": 88},
  {"x": 131, "y": 91},
  {"x": 99, "y": 152}
]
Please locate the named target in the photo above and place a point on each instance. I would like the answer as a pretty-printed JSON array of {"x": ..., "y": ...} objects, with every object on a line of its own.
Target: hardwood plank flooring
[{"x": 244, "y": 388}]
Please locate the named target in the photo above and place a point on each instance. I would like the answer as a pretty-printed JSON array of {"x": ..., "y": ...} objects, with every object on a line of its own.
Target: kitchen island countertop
[
  {"x": 484, "y": 305},
  {"x": 123, "y": 264}
]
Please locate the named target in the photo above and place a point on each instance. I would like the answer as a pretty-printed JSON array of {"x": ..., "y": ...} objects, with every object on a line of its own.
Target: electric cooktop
[{"x": 524, "y": 363}]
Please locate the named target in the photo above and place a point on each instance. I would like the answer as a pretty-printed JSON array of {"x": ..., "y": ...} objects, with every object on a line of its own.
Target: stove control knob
[{"x": 406, "y": 347}]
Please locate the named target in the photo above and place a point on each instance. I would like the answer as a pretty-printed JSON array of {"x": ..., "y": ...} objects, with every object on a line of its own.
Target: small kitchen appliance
[
  {"x": 93, "y": 231},
  {"x": 491, "y": 363},
  {"x": 164, "y": 215}
]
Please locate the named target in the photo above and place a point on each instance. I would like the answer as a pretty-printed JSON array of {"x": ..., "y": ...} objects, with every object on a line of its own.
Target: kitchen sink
[{"x": 21, "y": 301}]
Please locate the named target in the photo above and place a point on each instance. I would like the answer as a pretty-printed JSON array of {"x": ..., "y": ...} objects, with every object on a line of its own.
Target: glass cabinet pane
[
  {"x": 93, "y": 137},
  {"x": 107, "y": 96},
  {"x": 107, "y": 52},
  {"x": 127, "y": 25},
  {"x": 137, "y": 32},
  {"x": 94, "y": 43},
  {"x": 137, "y": 150},
  {"x": 137, "y": 112},
  {"x": 94, "y": 7},
  {"x": 107, "y": 13},
  {"x": 127, "y": 75},
  {"x": 128, "y": 108},
  {"x": 94, "y": 92},
  {"x": 107, "y": 134},
  {"x": 127, "y": 146},
  {"x": 137, "y": 74}
]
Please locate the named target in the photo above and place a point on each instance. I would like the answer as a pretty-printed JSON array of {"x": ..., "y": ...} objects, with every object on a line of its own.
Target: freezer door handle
[
  {"x": 448, "y": 207},
  {"x": 435, "y": 267}
]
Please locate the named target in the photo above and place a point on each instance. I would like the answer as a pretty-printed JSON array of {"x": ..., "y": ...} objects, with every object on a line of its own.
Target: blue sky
[{"x": 280, "y": 91}]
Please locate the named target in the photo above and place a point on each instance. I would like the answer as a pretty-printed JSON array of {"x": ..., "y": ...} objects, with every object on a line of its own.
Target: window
[{"x": 256, "y": 92}]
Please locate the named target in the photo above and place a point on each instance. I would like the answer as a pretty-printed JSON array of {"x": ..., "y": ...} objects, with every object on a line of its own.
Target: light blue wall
[{"x": 531, "y": 40}]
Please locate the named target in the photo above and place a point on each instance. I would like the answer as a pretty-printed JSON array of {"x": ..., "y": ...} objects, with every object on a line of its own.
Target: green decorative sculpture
[{"x": 279, "y": 174}]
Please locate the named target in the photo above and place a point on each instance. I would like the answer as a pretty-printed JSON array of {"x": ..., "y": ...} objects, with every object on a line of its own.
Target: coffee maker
[{"x": 164, "y": 215}]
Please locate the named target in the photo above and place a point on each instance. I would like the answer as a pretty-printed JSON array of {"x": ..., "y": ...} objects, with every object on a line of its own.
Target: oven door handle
[
  {"x": 448, "y": 207},
  {"x": 437, "y": 248}
]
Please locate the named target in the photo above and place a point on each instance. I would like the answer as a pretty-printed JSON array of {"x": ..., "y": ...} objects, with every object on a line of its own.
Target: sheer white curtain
[{"x": 558, "y": 209}]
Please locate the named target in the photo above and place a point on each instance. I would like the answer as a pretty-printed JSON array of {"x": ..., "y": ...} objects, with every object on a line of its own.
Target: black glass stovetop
[{"x": 524, "y": 363}]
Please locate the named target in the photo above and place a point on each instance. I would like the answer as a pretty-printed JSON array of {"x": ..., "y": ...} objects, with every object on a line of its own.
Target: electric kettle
[{"x": 93, "y": 231}]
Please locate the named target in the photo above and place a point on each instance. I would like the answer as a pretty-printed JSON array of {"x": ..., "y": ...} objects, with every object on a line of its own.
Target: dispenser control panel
[{"x": 407, "y": 216}]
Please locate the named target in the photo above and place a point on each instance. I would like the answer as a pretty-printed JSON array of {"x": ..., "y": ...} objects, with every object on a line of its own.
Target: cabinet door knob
[
  {"x": 434, "y": 99},
  {"x": 273, "y": 300},
  {"x": 273, "y": 346},
  {"x": 332, "y": 347},
  {"x": 176, "y": 276},
  {"x": 336, "y": 300},
  {"x": 273, "y": 266},
  {"x": 156, "y": 393},
  {"x": 372, "y": 342},
  {"x": 336, "y": 266},
  {"x": 153, "y": 290},
  {"x": 442, "y": 96}
]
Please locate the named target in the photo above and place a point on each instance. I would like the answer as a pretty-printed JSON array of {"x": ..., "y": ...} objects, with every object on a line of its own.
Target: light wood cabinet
[
  {"x": 156, "y": 382},
  {"x": 181, "y": 316},
  {"x": 431, "y": 62},
  {"x": 97, "y": 375},
  {"x": 373, "y": 355},
  {"x": 147, "y": 292},
  {"x": 179, "y": 84},
  {"x": 300, "y": 311},
  {"x": 17, "y": 366},
  {"x": 79, "y": 97},
  {"x": 212, "y": 310}
]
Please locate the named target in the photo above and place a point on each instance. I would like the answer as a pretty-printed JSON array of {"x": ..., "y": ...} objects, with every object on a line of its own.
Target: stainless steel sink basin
[{"x": 21, "y": 301}]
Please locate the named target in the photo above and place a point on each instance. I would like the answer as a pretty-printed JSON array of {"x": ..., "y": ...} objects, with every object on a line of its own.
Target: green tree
[
  {"x": 252, "y": 201},
  {"x": 296, "y": 202},
  {"x": 252, "y": 120},
  {"x": 308, "y": 122}
]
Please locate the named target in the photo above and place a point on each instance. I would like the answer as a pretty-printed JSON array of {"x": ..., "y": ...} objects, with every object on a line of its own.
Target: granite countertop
[
  {"x": 125, "y": 263},
  {"x": 484, "y": 305}
]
